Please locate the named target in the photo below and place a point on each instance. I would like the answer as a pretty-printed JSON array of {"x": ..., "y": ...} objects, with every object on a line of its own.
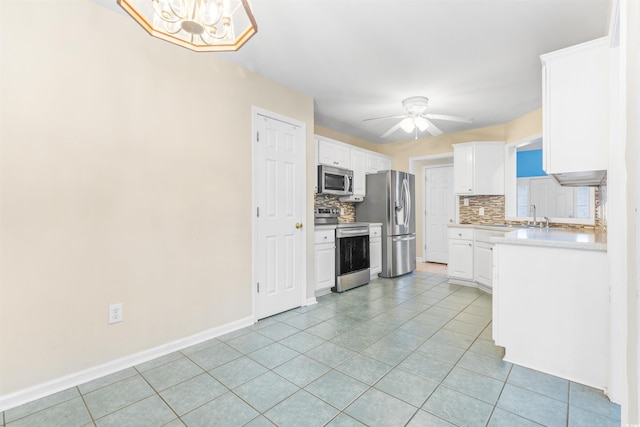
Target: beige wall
[
  {"x": 524, "y": 127},
  {"x": 125, "y": 177}
]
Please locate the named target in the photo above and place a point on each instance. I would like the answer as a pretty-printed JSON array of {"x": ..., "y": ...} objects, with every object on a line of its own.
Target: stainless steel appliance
[
  {"x": 336, "y": 181},
  {"x": 389, "y": 200},
  {"x": 352, "y": 249},
  {"x": 325, "y": 215},
  {"x": 352, "y": 256}
]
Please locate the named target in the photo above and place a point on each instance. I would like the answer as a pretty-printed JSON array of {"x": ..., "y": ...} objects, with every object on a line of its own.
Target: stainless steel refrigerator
[{"x": 389, "y": 200}]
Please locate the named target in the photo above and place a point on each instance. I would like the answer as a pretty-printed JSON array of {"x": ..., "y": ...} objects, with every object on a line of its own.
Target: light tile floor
[
  {"x": 411, "y": 351},
  {"x": 432, "y": 267}
]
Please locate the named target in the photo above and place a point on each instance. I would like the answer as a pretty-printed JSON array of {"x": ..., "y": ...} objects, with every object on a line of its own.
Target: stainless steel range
[{"x": 352, "y": 249}]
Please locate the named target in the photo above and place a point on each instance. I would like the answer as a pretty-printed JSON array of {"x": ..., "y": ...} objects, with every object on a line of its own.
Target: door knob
[{"x": 298, "y": 225}]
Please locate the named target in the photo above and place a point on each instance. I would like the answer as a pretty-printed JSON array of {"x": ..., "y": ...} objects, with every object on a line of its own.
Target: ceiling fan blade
[
  {"x": 385, "y": 117},
  {"x": 447, "y": 117},
  {"x": 433, "y": 129},
  {"x": 392, "y": 130}
]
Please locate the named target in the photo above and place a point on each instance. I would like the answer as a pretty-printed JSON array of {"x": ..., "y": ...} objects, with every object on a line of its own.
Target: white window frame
[{"x": 511, "y": 188}]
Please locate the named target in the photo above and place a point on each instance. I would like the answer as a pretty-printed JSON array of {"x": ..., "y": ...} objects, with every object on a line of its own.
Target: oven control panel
[{"x": 326, "y": 215}]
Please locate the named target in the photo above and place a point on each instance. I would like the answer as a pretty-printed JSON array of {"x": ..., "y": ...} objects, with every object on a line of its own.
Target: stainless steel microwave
[{"x": 336, "y": 181}]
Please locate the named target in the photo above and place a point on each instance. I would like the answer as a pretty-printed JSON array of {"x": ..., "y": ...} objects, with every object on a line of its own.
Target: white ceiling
[{"x": 359, "y": 58}]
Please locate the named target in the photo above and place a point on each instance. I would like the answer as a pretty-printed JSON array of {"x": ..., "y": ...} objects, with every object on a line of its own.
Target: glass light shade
[
  {"x": 422, "y": 123},
  {"x": 200, "y": 25},
  {"x": 407, "y": 124}
]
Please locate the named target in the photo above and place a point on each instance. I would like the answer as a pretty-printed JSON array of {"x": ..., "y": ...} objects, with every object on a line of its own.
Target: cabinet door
[
  {"x": 334, "y": 154},
  {"x": 385, "y": 164},
  {"x": 375, "y": 254},
  {"x": 483, "y": 269},
  {"x": 358, "y": 160},
  {"x": 461, "y": 259},
  {"x": 488, "y": 168},
  {"x": 463, "y": 169},
  {"x": 375, "y": 250},
  {"x": 325, "y": 264},
  {"x": 575, "y": 107},
  {"x": 377, "y": 163}
]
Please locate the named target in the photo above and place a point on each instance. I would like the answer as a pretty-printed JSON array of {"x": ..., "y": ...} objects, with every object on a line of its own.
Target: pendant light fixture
[{"x": 200, "y": 25}]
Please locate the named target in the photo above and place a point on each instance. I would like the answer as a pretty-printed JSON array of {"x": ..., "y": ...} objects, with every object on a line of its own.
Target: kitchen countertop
[
  {"x": 324, "y": 226},
  {"x": 505, "y": 228},
  {"x": 556, "y": 238},
  {"x": 550, "y": 237}
]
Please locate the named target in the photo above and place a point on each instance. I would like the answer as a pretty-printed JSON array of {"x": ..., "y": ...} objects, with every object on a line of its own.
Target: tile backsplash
[
  {"x": 494, "y": 211},
  {"x": 348, "y": 209}
]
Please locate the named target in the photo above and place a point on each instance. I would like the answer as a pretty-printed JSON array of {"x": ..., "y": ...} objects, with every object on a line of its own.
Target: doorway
[
  {"x": 279, "y": 153},
  {"x": 439, "y": 212}
]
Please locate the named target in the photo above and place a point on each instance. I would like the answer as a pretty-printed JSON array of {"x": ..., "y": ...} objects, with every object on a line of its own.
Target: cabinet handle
[
  {"x": 325, "y": 237},
  {"x": 459, "y": 234},
  {"x": 469, "y": 244}
]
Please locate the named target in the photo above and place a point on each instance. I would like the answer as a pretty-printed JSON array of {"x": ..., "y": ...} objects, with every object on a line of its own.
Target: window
[{"x": 526, "y": 186}]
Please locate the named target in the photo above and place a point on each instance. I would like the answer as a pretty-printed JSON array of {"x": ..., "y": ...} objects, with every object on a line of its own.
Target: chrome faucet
[
  {"x": 533, "y": 209},
  {"x": 546, "y": 222}
]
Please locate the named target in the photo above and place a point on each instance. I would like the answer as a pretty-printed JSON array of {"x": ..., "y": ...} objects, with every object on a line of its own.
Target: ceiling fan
[{"x": 417, "y": 119}]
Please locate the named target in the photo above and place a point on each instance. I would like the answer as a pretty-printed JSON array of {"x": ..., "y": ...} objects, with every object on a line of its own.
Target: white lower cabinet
[
  {"x": 460, "y": 253},
  {"x": 471, "y": 256},
  {"x": 325, "y": 260},
  {"x": 483, "y": 263},
  {"x": 483, "y": 257},
  {"x": 375, "y": 250},
  {"x": 551, "y": 310}
]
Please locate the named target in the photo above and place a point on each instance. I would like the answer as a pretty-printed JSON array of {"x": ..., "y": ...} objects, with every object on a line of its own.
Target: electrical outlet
[
  {"x": 115, "y": 313},
  {"x": 465, "y": 202},
  {"x": 481, "y": 211}
]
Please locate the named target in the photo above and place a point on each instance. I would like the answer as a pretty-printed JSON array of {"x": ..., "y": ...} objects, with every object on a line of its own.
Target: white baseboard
[
  {"x": 30, "y": 394},
  {"x": 419, "y": 260},
  {"x": 311, "y": 301}
]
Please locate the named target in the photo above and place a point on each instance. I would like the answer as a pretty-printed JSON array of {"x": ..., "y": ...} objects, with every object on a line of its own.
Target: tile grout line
[{"x": 84, "y": 402}]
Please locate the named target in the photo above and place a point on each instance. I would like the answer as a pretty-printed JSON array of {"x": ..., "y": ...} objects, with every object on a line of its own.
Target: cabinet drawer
[
  {"x": 461, "y": 233},
  {"x": 486, "y": 235},
  {"x": 324, "y": 236},
  {"x": 375, "y": 232}
]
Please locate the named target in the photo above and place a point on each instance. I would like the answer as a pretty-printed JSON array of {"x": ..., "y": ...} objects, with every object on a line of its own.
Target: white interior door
[
  {"x": 280, "y": 210},
  {"x": 439, "y": 212}
]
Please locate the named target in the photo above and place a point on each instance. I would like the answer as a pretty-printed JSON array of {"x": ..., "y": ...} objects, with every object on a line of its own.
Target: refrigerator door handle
[
  {"x": 407, "y": 201},
  {"x": 403, "y": 238}
]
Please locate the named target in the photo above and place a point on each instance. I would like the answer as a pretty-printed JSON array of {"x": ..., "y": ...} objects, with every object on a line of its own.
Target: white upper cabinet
[
  {"x": 478, "y": 168},
  {"x": 358, "y": 160},
  {"x": 362, "y": 162},
  {"x": 333, "y": 153},
  {"x": 377, "y": 162},
  {"x": 575, "y": 108}
]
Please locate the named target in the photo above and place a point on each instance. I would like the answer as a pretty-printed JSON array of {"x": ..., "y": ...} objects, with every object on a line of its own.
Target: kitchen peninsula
[{"x": 551, "y": 302}]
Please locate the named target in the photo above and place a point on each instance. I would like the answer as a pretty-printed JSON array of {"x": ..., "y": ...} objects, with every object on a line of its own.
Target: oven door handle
[{"x": 351, "y": 233}]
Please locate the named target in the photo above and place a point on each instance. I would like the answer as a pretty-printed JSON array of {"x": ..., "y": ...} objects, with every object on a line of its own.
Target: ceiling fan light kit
[{"x": 417, "y": 119}]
